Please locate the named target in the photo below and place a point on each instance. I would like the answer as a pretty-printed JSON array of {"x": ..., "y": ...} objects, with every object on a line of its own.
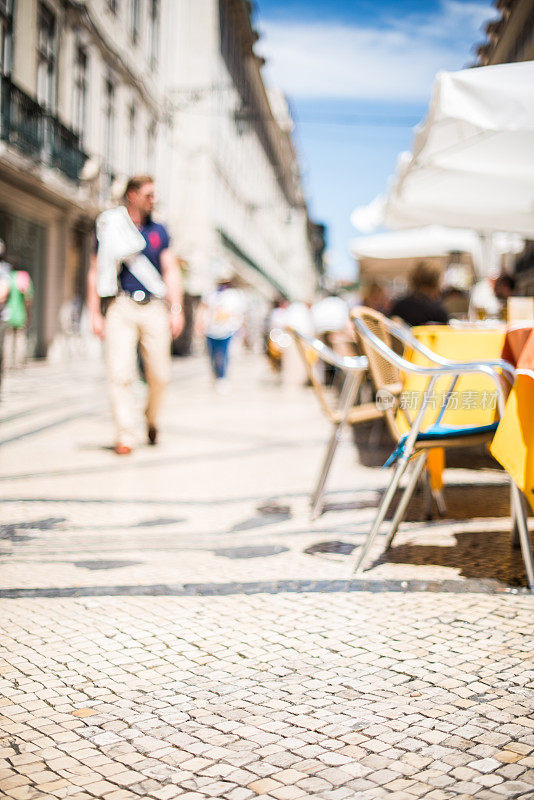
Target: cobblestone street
[{"x": 173, "y": 625}]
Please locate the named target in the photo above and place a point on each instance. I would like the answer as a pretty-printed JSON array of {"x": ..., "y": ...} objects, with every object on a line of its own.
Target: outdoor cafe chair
[
  {"x": 387, "y": 381},
  {"x": 340, "y": 411},
  {"x": 412, "y": 447}
]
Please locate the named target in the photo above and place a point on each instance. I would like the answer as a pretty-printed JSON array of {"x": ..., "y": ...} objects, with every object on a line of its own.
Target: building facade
[
  {"x": 96, "y": 90},
  {"x": 236, "y": 196},
  {"x": 81, "y": 107},
  {"x": 510, "y": 38}
]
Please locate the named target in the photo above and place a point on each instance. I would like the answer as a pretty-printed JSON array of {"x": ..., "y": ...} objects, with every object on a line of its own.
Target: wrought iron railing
[
  {"x": 66, "y": 153},
  {"x": 33, "y": 130}
]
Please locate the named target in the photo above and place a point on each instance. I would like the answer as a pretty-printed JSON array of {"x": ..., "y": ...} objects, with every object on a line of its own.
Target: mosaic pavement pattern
[{"x": 173, "y": 625}]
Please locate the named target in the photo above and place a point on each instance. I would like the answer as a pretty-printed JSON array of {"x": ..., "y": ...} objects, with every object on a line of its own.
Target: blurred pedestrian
[
  {"x": 331, "y": 323},
  {"x": 299, "y": 317},
  {"x": 275, "y": 335},
  {"x": 135, "y": 296},
  {"x": 330, "y": 315},
  {"x": 5, "y": 271},
  {"x": 455, "y": 290},
  {"x": 375, "y": 297},
  {"x": 455, "y": 301},
  {"x": 483, "y": 302},
  {"x": 221, "y": 316},
  {"x": 421, "y": 304},
  {"x": 504, "y": 287},
  {"x": 17, "y": 313}
]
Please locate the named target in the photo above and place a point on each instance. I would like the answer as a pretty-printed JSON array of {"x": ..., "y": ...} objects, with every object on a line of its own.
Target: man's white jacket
[{"x": 119, "y": 241}]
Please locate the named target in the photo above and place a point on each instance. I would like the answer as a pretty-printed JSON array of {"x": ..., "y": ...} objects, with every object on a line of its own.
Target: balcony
[
  {"x": 495, "y": 27},
  {"x": 26, "y": 125}
]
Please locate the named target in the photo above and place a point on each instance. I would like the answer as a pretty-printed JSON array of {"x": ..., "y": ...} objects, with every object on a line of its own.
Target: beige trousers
[{"x": 127, "y": 324}]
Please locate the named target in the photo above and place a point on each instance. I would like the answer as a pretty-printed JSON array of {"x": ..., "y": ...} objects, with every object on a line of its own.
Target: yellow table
[
  {"x": 513, "y": 443},
  {"x": 473, "y": 401}
]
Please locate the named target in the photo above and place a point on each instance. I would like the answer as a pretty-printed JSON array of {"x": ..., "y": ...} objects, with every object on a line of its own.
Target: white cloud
[{"x": 394, "y": 60}]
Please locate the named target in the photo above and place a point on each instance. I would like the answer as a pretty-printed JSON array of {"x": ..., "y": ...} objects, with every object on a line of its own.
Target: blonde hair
[{"x": 136, "y": 182}]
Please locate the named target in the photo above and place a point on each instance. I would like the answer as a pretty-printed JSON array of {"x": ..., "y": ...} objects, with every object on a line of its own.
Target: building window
[
  {"x": 6, "y": 28},
  {"x": 153, "y": 33},
  {"x": 134, "y": 20},
  {"x": 46, "y": 58},
  {"x": 132, "y": 141},
  {"x": 80, "y": 91},
  {"x": 151, "y": 146},
  {"x": 109, "y": 124}
]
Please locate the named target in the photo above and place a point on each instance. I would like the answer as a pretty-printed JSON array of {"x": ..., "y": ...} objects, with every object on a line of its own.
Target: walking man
[{"x": 135, "y": 298}]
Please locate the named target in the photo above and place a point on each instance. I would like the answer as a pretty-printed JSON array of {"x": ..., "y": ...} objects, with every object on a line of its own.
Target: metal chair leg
[
  {"x": 427, "y": 499},
  {"x": 381, "y": 515},
  {"x": 317, "y": 498},
  {"x": 405, "y": 499},
  {"x": 437, "y": 496},
  {"x": 346, "y": 401},
  {"x": 520, "y": 519},
  {"x": 516, "y": 542},
  {"x": 439, "y": 500}
]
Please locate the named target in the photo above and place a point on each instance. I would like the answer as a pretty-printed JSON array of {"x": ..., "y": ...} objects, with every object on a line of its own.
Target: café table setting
[{"x": 467, "y": 382}]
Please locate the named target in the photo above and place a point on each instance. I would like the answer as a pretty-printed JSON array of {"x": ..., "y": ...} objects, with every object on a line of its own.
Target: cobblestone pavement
[{"x": 174, "y": 626}]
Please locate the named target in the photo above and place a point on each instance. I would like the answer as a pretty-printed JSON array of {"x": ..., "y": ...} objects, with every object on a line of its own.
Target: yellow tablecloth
[
  {"x": 473, "y": 401},
  {"x": 513, "y": 444}
]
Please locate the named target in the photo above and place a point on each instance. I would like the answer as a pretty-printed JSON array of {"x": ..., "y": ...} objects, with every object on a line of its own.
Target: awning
[
  {"x": 430, "y": 241},
  {"x": 472, "y": 164}
]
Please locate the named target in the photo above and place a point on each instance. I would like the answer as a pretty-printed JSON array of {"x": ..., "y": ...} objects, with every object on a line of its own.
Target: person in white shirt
[
  {"x": 221, "y": 316},
  {"x": 330, "y": 314},
  {"x": 134, "y": 278}
]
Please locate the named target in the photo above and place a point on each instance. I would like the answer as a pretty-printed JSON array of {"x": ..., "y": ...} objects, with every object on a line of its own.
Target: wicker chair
[
  {"x": 388, "y": 382},
  {"x": 339, "y": 410}
]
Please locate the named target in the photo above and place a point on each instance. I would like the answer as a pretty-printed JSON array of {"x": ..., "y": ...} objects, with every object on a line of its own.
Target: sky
[{"x": 358, "y": 76}]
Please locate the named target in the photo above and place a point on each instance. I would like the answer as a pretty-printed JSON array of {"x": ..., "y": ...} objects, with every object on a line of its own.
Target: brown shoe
[
  {"x": 152, "y": 433},
  {"x": 123, "y": 449}
]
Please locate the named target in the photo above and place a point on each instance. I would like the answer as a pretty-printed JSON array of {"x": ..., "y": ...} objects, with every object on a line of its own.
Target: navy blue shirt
[{"x": 157, "y": 239}]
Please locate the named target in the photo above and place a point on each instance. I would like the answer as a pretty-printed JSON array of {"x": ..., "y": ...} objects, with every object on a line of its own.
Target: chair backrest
[
  {"x": 385, "y": 375},
  {"x": 311, "y": 361},
  {"x": 313, "y": 352},
  {"x": 342, "y": 343}
]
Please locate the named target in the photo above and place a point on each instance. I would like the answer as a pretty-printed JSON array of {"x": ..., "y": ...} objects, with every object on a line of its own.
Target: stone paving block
[
  {"x": 240, "y": 793},
  {"x": 288, "y": 793},
  {"x": 123, "y": 794},
  {"x": 488, "y": 780},
  {"x": 264, "y": 785},
  {"x": 26, "y": 793},
  {"x": 485, "y": 765},
  {"x": 247, "y": 669}
]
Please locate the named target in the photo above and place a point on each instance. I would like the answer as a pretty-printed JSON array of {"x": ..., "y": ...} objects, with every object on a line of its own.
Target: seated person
[
  {"x": 375, "y": 297},
  {"x": 455, "y": 302},
  {"x": 421, "y": 304},
  {"x": 504, "y": 287}
]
